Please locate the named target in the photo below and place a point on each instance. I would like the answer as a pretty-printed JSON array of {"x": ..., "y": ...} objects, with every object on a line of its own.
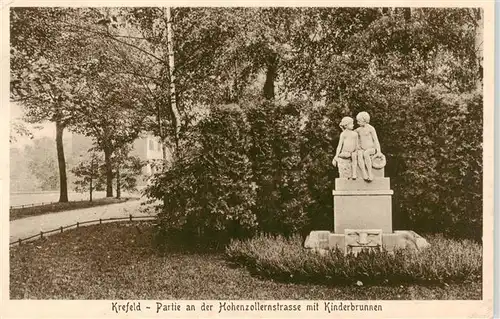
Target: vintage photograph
[{"x": 246, "y": 153}]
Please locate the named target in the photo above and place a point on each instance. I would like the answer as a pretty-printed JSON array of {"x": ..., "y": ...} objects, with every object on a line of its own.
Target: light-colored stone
[
  {"x": 417, "y": 241},
  {"x": 404, "y": 239},
  {"x": 357, "y": 240},
  {"x": 343, "y": 184},
  {"x": 346, "y": 152},
  {"x": 317, "y": 239},
  {"x": 344, "y": 167},
  {"x": 368, "y": 146},
  {"x": 323, "y": 239},
  {"x": 337, "y": 241},
  {"x": 353, "y": 240},
  {"x": 363, "y": 193},
  {"x": 362, "y": 210}
]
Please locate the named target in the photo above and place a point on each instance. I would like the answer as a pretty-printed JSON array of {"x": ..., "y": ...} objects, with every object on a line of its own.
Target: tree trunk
[
  {"x": 91, "y": 177},
  {"x": 63, "y": 182},
  {"x": 118, "y": 186},
  {"x": 109, "y": 172},
  {"x": 272, "y": 67},
  {"x": 162, "y": 136},
  {"x": 90, "y": 190},
  {"x": 176, "y": 118}
]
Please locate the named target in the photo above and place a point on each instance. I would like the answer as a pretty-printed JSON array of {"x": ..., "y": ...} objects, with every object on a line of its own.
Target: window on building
[{"x": 151, "y": 145}]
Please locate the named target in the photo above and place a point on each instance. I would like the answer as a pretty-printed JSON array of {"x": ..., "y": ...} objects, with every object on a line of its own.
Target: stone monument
[{"x": 362, "y": 208}]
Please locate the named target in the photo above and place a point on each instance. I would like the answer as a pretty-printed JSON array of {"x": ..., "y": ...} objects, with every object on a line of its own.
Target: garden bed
[
  {"x": 445, "y": 261},
  {"x": 119, "y": 261}
]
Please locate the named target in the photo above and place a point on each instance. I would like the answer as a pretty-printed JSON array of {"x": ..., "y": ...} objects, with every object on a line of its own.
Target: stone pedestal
[
  {"x": 358, "y": 204},
  {"x": 363, "y": 219}
]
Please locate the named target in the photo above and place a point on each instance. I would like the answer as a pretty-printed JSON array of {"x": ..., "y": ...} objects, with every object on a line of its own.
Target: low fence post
[{"x": 61, "y": 228}]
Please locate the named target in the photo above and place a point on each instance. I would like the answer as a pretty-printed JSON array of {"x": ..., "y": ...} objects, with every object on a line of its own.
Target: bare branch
[{"x": 113, "y": 37}]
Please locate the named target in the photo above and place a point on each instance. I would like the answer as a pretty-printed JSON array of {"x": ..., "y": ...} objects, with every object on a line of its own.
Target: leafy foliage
[
  {"x": 127, "y": 169},
  {"x": 88, "y": 175},
  {"x": 18, "y": 129},
  {"x": 289, "y": 148},
  {"x": 284, "y": 259},
  {"x": 265, "y": 166},
  {"x": 209, "y": 191},
  {"x": 283, "y": 198},
  {"x": 91, "y": 172},
  {"x": 42, "y": 163}
]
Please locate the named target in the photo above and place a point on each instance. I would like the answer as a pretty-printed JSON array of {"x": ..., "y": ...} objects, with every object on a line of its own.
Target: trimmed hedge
[{"x": 266, "y": 167}]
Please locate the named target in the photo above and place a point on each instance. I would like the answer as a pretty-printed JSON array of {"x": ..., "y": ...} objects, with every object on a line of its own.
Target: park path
[{"x": 29, "y": 226}]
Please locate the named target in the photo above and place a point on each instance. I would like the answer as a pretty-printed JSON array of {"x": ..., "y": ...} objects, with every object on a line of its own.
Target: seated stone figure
[
  {"x": 365, "y": 150},
  {"x": 368, "y": 144},
  {"x": 347, "y": 148}
]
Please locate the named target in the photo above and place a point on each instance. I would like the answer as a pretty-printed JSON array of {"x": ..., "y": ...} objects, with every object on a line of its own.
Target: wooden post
[
  {"x": 41, "y": 234},
  {"x": 130, "y": 217},
  {"x": 61, "y": 229}
]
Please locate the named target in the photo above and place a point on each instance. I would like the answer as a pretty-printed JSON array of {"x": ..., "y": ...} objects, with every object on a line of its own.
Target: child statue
[
  {"x": 348, "y": 145},
  {"x": 368, "y": 144}
]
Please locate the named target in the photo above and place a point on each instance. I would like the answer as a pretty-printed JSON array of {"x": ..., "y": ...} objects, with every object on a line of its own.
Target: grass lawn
[
  {"x": 118, "y": 261},
  {"x": 18, "y": 213}
]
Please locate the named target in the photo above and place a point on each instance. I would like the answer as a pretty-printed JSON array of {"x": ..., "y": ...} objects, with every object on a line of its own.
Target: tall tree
[
  {"x": 111, "y": 110},
  {"x": 45, "y": 71}
]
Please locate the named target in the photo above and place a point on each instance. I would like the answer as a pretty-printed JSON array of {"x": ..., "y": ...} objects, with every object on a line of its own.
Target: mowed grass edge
[{"x": 121, "y": 261}]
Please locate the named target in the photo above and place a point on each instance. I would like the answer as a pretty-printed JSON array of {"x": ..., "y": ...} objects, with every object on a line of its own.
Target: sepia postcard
[{"x": 263, "y": 160}]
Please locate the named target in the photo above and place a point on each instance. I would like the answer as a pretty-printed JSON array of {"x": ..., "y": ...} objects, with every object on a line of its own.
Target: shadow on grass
[
  {"x": 120, "y": 261},
  {"x": 19, "y": 213}
]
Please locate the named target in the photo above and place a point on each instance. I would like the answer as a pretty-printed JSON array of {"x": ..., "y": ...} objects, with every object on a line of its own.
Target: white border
[{"x": 399, "y": 309}]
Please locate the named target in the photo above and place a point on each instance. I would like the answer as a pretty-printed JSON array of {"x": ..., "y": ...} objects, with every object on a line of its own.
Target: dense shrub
[
  {"x": 278, "y": 169},
  {"x": 208, "y": 192},
  {"x": 265, "y": 167},
  {"x": 285, "y": 259}
]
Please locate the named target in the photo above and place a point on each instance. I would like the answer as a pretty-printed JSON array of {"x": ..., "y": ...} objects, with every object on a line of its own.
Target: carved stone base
[{"x": 324, "y": 240}]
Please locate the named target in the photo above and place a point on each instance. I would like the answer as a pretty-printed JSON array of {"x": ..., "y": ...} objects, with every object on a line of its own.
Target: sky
[{"x": 46, "y": 129}]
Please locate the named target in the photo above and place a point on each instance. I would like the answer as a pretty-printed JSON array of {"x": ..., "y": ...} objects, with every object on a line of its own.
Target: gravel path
[{"x": 29, "y": 226}]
